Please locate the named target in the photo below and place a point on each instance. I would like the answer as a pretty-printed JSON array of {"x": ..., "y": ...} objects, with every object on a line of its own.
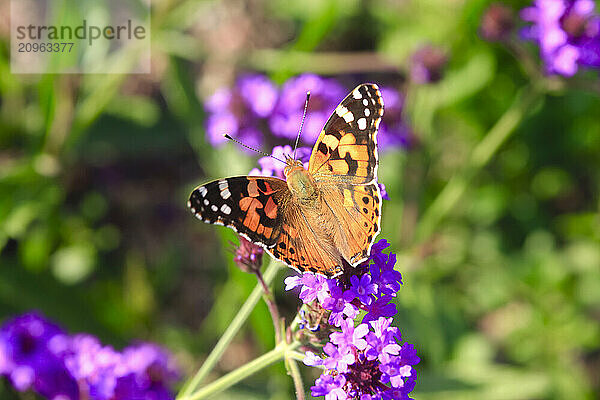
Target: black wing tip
[{"x": 368, "y": 85}]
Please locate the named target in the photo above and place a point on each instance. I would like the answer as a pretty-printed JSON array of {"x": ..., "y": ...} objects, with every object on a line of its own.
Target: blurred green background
[{"x": 501, "y": 295}]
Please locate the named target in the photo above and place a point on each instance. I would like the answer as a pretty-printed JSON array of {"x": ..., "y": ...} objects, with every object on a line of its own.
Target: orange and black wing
[
  {"x": 344, "y": 165},
  {"x": 304, "y": 246},
  {"x": 346, "y": 149},
  {"x": 251, "y": 205},
  {"x": 262, "y": 210}
]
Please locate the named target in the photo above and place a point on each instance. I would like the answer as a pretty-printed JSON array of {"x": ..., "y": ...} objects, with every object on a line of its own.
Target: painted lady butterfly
[{"x": 318, "y": 219}]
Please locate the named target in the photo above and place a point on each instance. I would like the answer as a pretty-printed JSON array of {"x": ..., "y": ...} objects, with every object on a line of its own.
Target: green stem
[
  {"x": 230, "y": 333},
  {"x": 481, "y": 155},
  {"x": 292, "y": 367},
  {"x": 226, "y": 381},
  {"x": 268, "y": 296}
]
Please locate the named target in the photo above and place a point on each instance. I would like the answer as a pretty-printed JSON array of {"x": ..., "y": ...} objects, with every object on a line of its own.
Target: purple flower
[
  {"x": 363, "y": 288},
  {"x": 395, "y": 372},
  {"x": 368, "y": 367},
  {"x": 383, "y": 274},
  {"x": 312, "y": 287},
  {"x": 28, "y": 361},
  {"x": 338, "y": 357},
  {"x": 384, "y": 193},
  {"x": 568, "y": 33},
  {"x": 383, "y": 325},
  {"x": 259, "y": 93},
  {"x": 312, "y": 360},
  {"x": 242, "y": 111},
  {"x": 381, "y": 347},
  {"x": 339, "y": 306},
  {"x": 330, "y": 386},
  {"x": 150, "y": 371},
  {"x": 382, "y": 307},
  {"x": 350, "y": 336},
  {"x": 35, "y": 354},
  {"x": 325, "y": 95},
  {"x": 393, "y": 132},
  {"x": 400, "y": 393},
  {"x": 97, "y": 366},
  {"x": 292, "y": 282}
]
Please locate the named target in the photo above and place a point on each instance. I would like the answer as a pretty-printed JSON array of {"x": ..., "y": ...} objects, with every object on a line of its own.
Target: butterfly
[{"x": 321, "y": 218}]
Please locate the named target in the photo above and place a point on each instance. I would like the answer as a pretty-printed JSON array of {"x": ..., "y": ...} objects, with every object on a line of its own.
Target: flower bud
[
  {"x": 428, "y": 64},
  {"x": 497, "y": 23},
  {"x": 248, "y": 256}
]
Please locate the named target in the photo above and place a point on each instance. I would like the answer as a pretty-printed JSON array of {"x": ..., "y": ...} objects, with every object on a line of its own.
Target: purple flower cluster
[
  {"x": 255, "y": 107},
  {"x": 35, "y": 354},
  {"x": 325, "y": 95},
  {"x": 370, "y": 290},
  {"x": 365, "y": 361},
  {"x": 568, "y": 33},
  {"x": 241, "y": 112}
]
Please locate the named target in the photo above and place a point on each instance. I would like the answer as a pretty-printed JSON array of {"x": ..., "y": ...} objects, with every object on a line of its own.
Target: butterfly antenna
[
  {"x": 226, "y": 136},
  {"x": 302, "y": 122}
]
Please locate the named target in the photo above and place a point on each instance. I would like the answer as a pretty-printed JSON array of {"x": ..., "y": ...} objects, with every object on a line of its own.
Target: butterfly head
[{"x": 291, "y": 164}]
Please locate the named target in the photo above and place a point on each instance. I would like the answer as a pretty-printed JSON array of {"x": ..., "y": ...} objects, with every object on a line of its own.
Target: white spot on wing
[
  {"x": 205, "y": 202},
  {"x": 223, "y": 185},
  {"x": 362, "y": 124},
  {"x": 356, "y": 94},
  {"x": 349, "y": 117},
  {"x": 214, "y": 208},
  {"x": 367, "y": 112},
  {"x": 341, "y": 110},
  {"x": 226, "y": 209},
  {"x": 226, "y": 194},
  {"x": 202, "y": 191},
  {"x": 365, "y": 102}
]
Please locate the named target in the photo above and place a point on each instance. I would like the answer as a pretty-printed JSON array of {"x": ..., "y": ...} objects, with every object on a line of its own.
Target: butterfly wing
[
  {"x": 248, "y": 204},
  {"x": 262, "y": 210},
  {"x": 346, "y": 149},
  {"x": 305, "y": 246},
  {"x": 357, "y": 210},
  {"x": 344, "y": 165}
]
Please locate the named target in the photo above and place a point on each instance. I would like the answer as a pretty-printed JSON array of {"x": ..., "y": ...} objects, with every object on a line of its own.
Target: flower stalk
[
  {"x": 292, "y": 367},
  {"x": 233, "y": 328},
  {"x": 268, "y": 296},
  {"x": 237, "y": 375}
]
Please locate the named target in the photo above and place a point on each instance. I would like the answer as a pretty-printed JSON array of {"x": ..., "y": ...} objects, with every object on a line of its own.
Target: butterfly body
[
  {"x": 301, "y": 183},
  {"x": 320, "y": 218}
]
